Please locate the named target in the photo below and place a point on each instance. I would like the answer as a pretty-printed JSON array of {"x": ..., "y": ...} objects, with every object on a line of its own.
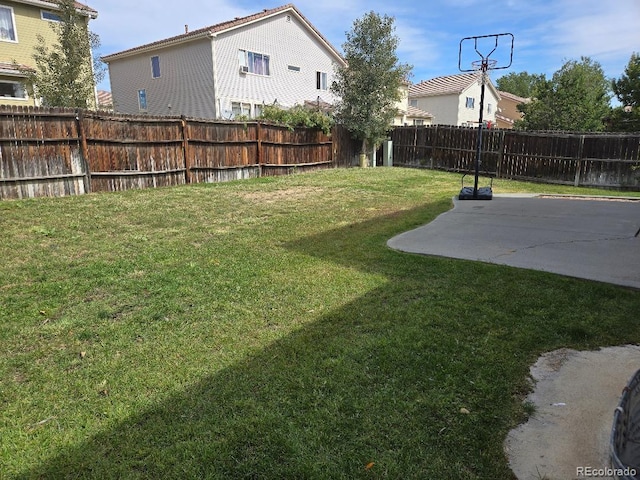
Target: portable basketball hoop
[{"x": 483, "y": 65}]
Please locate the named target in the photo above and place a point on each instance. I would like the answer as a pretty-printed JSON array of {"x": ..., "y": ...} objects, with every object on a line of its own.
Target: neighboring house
[
  {"x": 508, "y": 109},
  {"x": 232, "y": 68},
  {"x": 409, "y": 115},
  {"x": 455, "y": 99},
  {"x": 20, "y": 23},
  {"x": 105, "y": 101}
]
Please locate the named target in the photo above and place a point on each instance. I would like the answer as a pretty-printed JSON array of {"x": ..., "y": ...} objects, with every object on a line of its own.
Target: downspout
[{"x": 216, "y": 101}]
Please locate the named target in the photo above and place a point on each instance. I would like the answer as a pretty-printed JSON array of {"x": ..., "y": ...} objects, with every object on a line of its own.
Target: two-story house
[
  {"x": 20, "y": 23},
  {"x": 232, "y": 68},
  {"x": 508, "y": 112},
  {"x": 455, "y": 99},
  {"x": 410, "y": 115}
]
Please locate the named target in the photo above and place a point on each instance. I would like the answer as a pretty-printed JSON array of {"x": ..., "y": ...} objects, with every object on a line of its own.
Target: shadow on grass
[{"x": 373, "y": 389}]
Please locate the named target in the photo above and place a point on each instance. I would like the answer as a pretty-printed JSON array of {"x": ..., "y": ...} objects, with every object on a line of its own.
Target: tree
[
  {"x": 66, "y": 74},
  {"x": 521, "y": 84},
  {"x": 369, "y": 86},
  {"x": 626, "y": 118},
  {"x": 576, "y": 98}
]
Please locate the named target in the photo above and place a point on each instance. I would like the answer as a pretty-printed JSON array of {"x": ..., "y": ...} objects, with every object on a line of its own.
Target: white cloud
[{"x": 608, "y": 32}]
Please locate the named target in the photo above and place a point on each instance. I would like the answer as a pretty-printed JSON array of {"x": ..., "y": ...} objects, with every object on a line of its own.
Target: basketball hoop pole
[{"x": 483, "y": 65}]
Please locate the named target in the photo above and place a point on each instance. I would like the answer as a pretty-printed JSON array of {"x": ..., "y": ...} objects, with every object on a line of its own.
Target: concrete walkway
[
  {"x": 585, "y": 237},
  {"x": 575, "y": 394}
]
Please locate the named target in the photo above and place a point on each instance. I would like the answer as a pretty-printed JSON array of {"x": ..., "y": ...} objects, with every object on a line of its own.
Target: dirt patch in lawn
[
  {"x": 575, "y": 396},
  {"x": 288, "y": 194}
]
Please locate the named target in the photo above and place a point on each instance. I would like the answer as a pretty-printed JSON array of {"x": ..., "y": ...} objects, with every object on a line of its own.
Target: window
[
  {"x": 293, "y": 68},
  {"x": 489, "y": 108},
  {"x": 155, "y": 67},
  {"x": 12, "y": 90},
  {"x": 470, "y": 102},
  {"x": 413, "y": 103},
  {"x": 418, "y": 123},
  {"x": 7, "y": 25},
  {"x": 256, "y": 63},
  {"x": 50, "y": 16},
  {"x": 142, "y": 100},
  {"x": 239, "y": 108},
  {"x": 321, "y": 80}
]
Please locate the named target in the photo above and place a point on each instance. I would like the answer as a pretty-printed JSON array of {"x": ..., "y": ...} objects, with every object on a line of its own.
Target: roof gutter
[
  {"x": 152, "y": 47},
  {"x": 92, "y": 14}
]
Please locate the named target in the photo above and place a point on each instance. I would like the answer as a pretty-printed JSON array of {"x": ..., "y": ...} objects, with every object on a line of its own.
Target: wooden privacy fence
[
  {"x": 55, "y": 152},
  {"x": 580, "y": 159}
]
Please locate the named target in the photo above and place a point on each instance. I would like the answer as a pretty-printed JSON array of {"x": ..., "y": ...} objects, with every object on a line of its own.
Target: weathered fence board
[
  {"x": 597, "y": 160},
  {"x": 69, "y": 152},
  {"x": 126, "y": 152},
  {"x": 40, "y": 154}
]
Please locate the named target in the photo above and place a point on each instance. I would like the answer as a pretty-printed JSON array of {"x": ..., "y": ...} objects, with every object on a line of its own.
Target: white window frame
[
  {"x": 23, "y": 87},
  {"x": 54, "y": 17},
  {"x": 489, "y": 108},
  {"x": 13, "y": 22},
  {"x": 470, "y": 103},
  {"x": 265, "y": 59},
  {"x": 153, "y": 69},
  {"x": 418, "y": 122},
  {"x": 322, "y": 82},
  {"x": 142, "y": 98},
  {"x": 240, "y": 108},
  {"x": 413, "y": 102}
]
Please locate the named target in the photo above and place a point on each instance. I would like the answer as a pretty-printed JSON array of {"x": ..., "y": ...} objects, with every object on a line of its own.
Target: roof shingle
[
  {"x": 447, "y": 85},
  {"x": 415, "y": 112}
]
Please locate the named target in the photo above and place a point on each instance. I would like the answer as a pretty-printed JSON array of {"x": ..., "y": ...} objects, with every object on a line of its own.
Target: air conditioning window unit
[{"x": 244, "y": 69}]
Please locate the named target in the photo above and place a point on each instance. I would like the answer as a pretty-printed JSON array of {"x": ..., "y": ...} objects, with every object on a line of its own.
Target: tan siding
[
  {"x": 185, "y": 83},
  {"x": 29, "y": 24}
]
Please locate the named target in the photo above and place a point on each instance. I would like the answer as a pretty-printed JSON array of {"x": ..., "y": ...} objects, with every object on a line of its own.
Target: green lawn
[{"x": 262, "y": 329}]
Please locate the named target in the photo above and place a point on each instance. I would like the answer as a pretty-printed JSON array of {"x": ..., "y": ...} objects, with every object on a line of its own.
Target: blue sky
[{"x": 547, "y": 32}]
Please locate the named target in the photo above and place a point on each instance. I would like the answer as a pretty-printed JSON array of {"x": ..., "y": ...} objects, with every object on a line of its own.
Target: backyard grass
[{"x": 262, "y": 329}]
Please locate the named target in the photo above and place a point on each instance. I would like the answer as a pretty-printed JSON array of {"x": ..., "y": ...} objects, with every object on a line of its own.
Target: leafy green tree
[
  {"x": 626, "y": 118},
  {"x": 521, "y": 84},
  {"x": 369, "y": 86},
  {"x": 576, "y": 99},
  {"x": 66, "y": 73}
]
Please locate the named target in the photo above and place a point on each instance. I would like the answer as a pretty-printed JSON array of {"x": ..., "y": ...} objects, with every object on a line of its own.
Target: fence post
[
  {"x": 500, "y": 154},
  {"x": 433, "y": 145},
  {"x": 259, "y": 147},
  {"x": 576, "y": 181},
  {"x": 185, "y": 149},
  {"x": 84, "y": 149}
]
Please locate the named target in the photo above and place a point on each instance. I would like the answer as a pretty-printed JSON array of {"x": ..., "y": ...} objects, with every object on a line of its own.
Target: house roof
[
  {"x": 223, "y": 27},
  {"x": 104, "y": 98},
  {"x": 414, "y": 112},
  {"x": 511, "y": 96},
  {"x": 447, "y": 85},
  {"x": 10, "y": 69},
  {"x": 85, "y": 9}
]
